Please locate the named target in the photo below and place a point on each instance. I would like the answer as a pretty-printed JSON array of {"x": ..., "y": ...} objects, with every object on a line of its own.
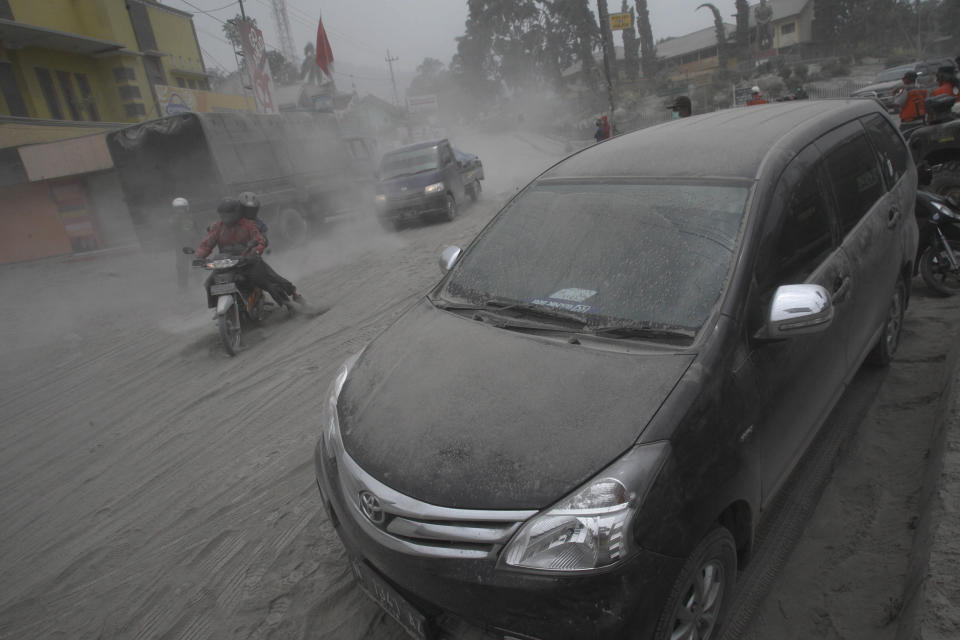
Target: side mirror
[
  {"x": 188, "y": 250},
  {"x": 449, "y": 257},
  {"x": 797, "y": 309}
]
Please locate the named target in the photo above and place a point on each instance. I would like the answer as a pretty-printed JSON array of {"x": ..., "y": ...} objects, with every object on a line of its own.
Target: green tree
[
  {"x": 743, "y": 29},
  {"x": 648, "y": 52},
  {"x": 631, "y": 46},
  {"x": 282, "y": 71},
  {"x": 431, "y": 77},
  {"x": 231, "y": 30}
]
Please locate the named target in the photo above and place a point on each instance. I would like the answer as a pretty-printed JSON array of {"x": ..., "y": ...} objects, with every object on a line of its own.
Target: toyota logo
[{"x": 370, "y": 505}]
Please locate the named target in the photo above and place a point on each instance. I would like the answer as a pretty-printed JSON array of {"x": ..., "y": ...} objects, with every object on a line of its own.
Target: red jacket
[{"x": 241, "y": 238}]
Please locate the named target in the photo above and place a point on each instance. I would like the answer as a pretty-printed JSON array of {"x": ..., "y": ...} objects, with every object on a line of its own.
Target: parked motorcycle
[
  {"x": 938, "y": 253},
  {"x": 237, "y": 303}
]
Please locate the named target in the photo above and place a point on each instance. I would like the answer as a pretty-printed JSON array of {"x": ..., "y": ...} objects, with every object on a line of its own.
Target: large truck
[{"x": 298, "y": 163}]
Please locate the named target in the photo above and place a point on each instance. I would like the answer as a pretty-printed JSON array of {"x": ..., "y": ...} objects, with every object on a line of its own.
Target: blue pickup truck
[{"x": 424, "y": 179}]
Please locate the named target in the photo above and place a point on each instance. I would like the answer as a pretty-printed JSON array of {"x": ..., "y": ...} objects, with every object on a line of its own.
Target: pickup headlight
[
  {"x": 590, "y": 528},
  {"x": 380, "y": 198},
  {"x": 331, "y": 421},
  {"x": 437, "y": 187}
]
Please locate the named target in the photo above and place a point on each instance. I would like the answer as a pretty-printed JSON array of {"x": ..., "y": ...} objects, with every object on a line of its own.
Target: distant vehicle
[
  {"x": 577, "y": 431},
  {"x": 427, "y": 178},
  {"x": 888, "y": 82},
  {"x": 299, "y": 164}
]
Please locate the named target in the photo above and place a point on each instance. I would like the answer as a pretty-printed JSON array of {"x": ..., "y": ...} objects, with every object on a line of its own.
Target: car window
[
  {"x": 803, "y": 236},
  {"x": 654, "y": 254},
  {"x": 855, "y": 176},
  {"x": 889, "y": 147},
  {"x": 408, "y": 162}
]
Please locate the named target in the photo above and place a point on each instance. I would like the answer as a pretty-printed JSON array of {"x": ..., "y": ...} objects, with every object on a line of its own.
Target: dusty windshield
[
  {"x": 402, "y": 163},
  {"x": 638, "y": 254},
  {"x": 893, "y": 74}
]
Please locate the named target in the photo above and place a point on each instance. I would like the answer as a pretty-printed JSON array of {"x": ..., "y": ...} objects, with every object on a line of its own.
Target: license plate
[
  {"x": 413, "y": 622},
  {"x": 220, "y": 289}
]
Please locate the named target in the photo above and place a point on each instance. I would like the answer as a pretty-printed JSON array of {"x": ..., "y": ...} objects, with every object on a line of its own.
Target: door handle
[
  {"x": 893, "y": 217},
  {"x": 841, "y": 287}
]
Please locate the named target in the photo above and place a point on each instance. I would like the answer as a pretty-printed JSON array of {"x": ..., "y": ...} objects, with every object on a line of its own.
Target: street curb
[{"x": 917, "y": 603}]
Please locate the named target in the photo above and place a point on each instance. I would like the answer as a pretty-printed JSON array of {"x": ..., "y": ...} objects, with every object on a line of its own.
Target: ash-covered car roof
[{"x": 732, "y": 143}]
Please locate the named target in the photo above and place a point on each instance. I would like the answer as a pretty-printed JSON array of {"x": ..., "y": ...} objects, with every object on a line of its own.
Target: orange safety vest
[
  {"x": 754, "y": 101},
  {"x": 945, "y": 89},
  {"x": 913, "y": 107}
]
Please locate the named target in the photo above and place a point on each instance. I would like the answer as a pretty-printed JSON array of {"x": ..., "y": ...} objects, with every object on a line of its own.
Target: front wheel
[
  {"x": 946, "y": 181},
  {"x": 699, "y": 597},
  {"x": 451, "y": 210},
  {"x": 936, "y": 271},
  {"x": 230, "y": 330},
  {"x": 883, "y": 352},
  {"x": 475, "y": 191}
]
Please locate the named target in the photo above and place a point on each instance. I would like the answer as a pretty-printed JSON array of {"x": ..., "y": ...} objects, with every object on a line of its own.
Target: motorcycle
[
  {"x": 237, "y": 303},
  {"x": 938, "y": 253}
]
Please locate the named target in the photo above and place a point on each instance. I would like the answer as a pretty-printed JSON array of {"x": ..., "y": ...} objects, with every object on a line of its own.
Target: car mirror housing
[
  {"x": 449, "y": 257},
  {"x": 797, "y": 309}
]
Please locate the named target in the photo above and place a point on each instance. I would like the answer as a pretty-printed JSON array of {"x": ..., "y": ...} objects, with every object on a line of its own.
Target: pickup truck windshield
[
  {"x": 402, "y": 163},
  {"x": 650, "y": 255}
]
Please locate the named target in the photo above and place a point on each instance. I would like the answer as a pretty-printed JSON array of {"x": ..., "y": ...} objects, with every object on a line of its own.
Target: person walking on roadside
[
  {"x": 910, "y": 98},
  {"x": 681, "y": 107},
  {"x": 756, "y": 97}
]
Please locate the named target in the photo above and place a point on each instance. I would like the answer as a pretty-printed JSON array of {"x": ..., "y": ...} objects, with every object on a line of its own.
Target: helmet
[
  {"x": 754, "y": 89},
  {"x": 180, "y": 203},
  {"x": 249, "y": 204},
  {"x": 229, "y": 211}
]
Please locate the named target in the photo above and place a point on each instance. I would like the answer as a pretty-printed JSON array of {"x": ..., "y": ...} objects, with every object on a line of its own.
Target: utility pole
[
  {"x": 243, "y": 14},
  {"x": 390, "y": 61},
  {"x": 917, "y": 4},
  {"x": 609, "y": 53}
]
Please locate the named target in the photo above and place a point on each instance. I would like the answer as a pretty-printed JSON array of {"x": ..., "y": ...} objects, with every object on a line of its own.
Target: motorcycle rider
[
  {"x": 756, "y": 97},
  {"x": 250, "y": 209},
  {"x": 947, "y": 84},
  {"x": 238, "y": 236},
  {"x": 910, "y": 98}
]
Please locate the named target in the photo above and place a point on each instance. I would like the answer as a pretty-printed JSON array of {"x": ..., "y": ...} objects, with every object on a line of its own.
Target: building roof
[
  {"x": 702, "y": 39},
  {"x": 15, "y": 34}
]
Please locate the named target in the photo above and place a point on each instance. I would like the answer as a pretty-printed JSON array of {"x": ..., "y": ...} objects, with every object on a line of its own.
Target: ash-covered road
[{"x": 151, "y": 487}]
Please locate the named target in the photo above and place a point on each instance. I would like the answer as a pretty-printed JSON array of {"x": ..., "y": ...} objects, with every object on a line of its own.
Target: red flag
[{"x": 324, "y": 52}]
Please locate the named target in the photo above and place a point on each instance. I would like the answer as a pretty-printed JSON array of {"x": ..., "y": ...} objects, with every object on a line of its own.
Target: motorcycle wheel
[
  {"x": 946, "y": 181},
  {"x": 936, "y": 272},
  {"x": 229, "y": 325}
]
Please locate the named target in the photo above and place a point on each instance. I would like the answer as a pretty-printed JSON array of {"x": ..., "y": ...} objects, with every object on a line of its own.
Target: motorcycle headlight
[
  {"x": 433, "y": 188},
  {"x": 590, "y": 528},
  {"x": 331, "y": 421},
  {"x": 380, "y": 198},
  {"x": 945, "y": 210}
]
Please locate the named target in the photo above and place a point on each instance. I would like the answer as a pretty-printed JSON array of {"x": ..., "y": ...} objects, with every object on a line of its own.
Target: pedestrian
[
  {"x": 756, "y": 97},
  {"x": 910, "y": 98},
  {"x": 598, "y": 134},
  {"x": 681, "y": 107}
]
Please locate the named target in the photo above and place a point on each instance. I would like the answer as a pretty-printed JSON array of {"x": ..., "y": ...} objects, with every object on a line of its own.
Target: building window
[
  {"x": 192, "y": 83},
  {"x": 49, "y": 93},
  {"x": 181, "y": 83},
  {"x": 129, "y": 92},
  {"x": 786, "y": 29},
  {"x": 134, "y": 109},
  {"x": 66, "y": 88},
  {"x": 203, "y": 84},
  {"x": 86, "y": 95},
  {"x": 11, "y": 92},
  {"x": 124, "y": 74}
]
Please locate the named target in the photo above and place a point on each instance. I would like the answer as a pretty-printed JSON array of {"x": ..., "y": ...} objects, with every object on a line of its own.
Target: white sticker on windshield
[{"x": 573, "y": 295}]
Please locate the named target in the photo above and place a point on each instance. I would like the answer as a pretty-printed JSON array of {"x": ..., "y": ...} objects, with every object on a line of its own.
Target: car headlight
[
  {"x": 590, "y": 528},
  {"x": 331, "y": 421},
  {"x": 433, "y": 188},
  {"x": 381, "y": 197}
]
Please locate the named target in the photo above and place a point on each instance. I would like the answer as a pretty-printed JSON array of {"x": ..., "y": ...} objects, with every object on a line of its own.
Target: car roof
[
  {"x": 417, "y": 145},
  {"x": 728, "y": 144}
]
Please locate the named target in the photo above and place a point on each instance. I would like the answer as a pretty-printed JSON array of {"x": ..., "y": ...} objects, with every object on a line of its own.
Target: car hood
[
  {"x": 410, "y": 184},
  {"x": 882, "y": 88},
  {"x": 458, "y": 413}
]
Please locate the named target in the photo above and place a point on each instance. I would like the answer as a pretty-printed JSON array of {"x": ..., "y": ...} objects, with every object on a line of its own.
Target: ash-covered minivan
[{"x": 576, "y": 432}]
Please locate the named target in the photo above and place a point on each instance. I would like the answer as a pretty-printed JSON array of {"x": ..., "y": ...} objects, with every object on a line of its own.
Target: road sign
[{"x": 620, "y": 21}]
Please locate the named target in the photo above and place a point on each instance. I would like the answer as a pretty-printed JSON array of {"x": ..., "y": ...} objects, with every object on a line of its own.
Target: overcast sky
[{"x": 360, "y": 33}]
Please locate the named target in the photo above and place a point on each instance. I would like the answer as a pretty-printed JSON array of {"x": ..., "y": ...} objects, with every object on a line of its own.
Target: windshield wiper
[
  {"x": 641, "y": 331},
  {"x": 496, "y": 304}
]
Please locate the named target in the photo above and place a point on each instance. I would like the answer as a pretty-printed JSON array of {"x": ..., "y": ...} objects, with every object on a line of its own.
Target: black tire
[
  {"x": 450, "y": 213},
  {"x": 475, "y": 191},
  {"x": 935, "y": 269},
  {"x": 946, "y": 181},
  {"x": 230, "y": 330},
  {"x": 702, "y": 592},
  {"x": 886, "y": 347}
]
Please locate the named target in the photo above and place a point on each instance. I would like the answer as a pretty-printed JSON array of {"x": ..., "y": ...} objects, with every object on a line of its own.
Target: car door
[
  {"x": 870, "y": 220},
  {"x": 798, "y": 379},
  {"x": 451, "y": 172}
]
